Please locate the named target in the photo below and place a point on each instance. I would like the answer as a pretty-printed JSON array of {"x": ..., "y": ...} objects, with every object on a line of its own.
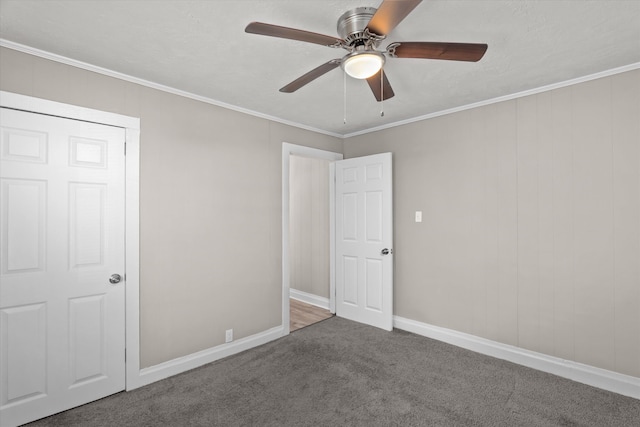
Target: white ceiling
[{"x": 200, "y": 47}]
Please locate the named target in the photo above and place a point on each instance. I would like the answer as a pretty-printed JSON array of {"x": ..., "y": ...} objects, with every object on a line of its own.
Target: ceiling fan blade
[
  {"x": 379, "y": 92},
  {"x": 472, "y": 52},
  {"x": 292, "y": 33},
  {"x": 311, "y": 76},
  {"x": 390, "y": 14}
]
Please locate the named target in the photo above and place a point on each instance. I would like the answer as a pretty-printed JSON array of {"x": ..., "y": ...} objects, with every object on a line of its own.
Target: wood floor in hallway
[{"x": 303, "y": 314}]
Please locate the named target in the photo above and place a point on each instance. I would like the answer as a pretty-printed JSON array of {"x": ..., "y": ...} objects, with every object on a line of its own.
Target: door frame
[
  {"x": 132, "y": 209},
  {"x": 300, "y": 150}
]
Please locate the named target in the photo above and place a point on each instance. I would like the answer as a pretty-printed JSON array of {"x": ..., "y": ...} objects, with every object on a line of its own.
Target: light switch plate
[{"x": 418, "y": 216}]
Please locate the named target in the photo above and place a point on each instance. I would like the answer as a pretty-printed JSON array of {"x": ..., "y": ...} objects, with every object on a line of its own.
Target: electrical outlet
[{"x": 228, "y": 336}]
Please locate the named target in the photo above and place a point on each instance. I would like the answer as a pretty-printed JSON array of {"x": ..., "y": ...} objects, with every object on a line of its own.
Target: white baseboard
[
  {"x": 182, "y": 364},
  {"x": 316, "y": 300},
  {"x": 596, "y": 377}
]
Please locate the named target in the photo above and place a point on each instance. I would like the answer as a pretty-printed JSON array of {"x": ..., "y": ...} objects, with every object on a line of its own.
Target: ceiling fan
[{"x": 361, "y": 31}]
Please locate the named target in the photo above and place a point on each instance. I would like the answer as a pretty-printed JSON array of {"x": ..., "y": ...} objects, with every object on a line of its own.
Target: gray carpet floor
[{"x": 341, "y": 373}]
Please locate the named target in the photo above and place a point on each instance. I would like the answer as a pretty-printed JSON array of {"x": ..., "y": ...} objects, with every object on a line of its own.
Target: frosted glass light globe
[{"x": 363, "y": 65}]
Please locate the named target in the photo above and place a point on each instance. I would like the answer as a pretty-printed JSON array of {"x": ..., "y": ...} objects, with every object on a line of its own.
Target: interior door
[
  {"x": 62, "y": 325},
  {"x": 364, "y": 237}
]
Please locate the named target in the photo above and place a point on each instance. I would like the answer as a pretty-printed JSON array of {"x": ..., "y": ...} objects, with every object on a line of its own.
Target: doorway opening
[
  {"x": 309, "y": 265},
  {"x": 307, "y": 236}
]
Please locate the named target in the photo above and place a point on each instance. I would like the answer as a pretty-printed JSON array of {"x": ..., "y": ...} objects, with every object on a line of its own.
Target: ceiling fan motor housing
[{"x": 351, "y": 26}]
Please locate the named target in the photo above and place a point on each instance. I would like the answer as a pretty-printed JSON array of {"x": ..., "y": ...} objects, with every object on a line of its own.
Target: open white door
[
  {"x": 364, "y": 238},
  {"x": 62, "y": 290}
]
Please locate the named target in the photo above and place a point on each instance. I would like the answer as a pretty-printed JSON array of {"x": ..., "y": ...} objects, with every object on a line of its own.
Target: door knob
[
  {"x": 115, "y": 278},
  {"x": 386, "y": 251}
]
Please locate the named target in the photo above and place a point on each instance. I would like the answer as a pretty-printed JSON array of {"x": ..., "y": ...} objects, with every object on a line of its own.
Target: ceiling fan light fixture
[{"x": 362, "y": 65}]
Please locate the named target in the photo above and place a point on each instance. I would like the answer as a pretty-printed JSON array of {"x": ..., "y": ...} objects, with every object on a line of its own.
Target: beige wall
[
  {"x": 531, "y": 231},
  {"x": 309, "y": 225},
  {"x": 210, "y": 205},
  {"x": 531, "y": 221}
]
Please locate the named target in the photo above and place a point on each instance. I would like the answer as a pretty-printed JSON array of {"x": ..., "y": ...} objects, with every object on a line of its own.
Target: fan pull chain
[
  {"x": 381, "y": 92},
  {"x": 344, "y": 102}
]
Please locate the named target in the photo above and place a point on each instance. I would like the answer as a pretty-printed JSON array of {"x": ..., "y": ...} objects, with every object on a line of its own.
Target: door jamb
[
  {"x": 131, "y": 126},
  {"x": 287, "y": 150}
]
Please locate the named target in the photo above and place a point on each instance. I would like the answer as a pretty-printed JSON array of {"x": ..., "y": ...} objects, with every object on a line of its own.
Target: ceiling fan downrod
[{"x": 352, "y": 28}]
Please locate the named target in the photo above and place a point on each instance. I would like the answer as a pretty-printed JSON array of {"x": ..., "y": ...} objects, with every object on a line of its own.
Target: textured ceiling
[{"x": 200, "y": 47}]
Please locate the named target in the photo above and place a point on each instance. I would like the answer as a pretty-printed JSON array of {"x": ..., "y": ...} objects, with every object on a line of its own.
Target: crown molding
[
  {"x": 104, "y": 71},
  {"x": 516, "y": 95},
  {"x": 89, "y": 67}
]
